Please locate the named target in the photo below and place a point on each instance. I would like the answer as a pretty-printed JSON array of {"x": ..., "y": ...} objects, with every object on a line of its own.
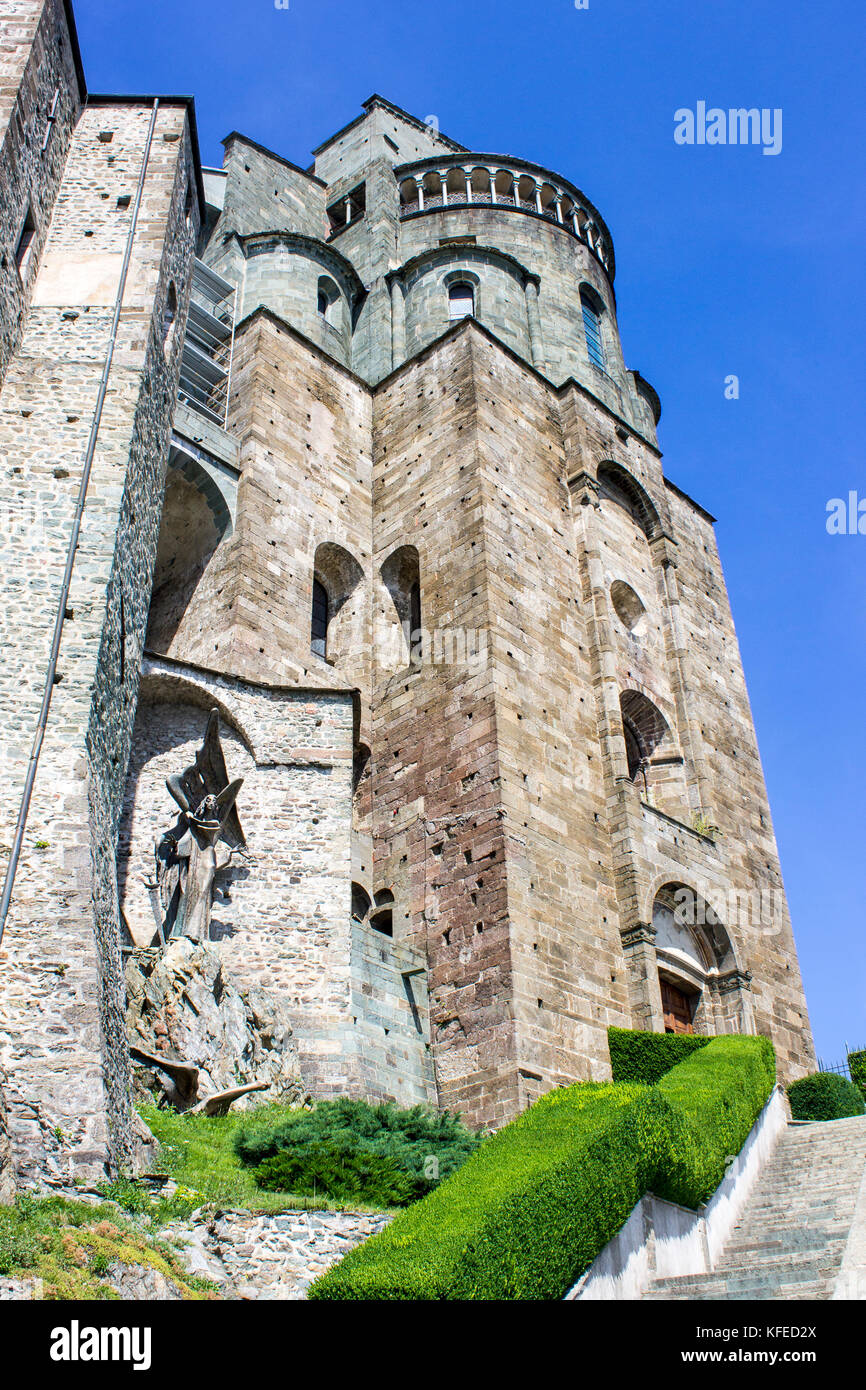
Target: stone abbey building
[{"x": 366, "y": 473}]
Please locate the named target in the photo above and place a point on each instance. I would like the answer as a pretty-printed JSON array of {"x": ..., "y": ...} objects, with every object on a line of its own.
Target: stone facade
[
  {"x": 62, "y": 1028},
  {"x": 411, "y": 536}
]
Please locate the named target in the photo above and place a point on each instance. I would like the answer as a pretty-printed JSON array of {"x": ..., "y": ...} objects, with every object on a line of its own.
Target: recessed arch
[
  {"x": 195, "y": 522},
  {"x": 617, "y": 485},
  {"x": 645, "y": 728},
  {"x": 695, "y": 960},
  {"x": 329, "y": 302},
  {"x": 336, "y": 614},
  {"x": 401, "y": 575}
]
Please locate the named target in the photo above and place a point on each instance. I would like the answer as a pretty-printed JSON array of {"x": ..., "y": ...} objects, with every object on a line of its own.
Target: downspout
[{"x": 51, "y": 673}]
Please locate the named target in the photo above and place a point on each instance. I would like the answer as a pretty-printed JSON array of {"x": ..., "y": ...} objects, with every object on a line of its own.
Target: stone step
[
  {"x": 828, "y": 1254},
  {"x": 785, "y": 1293},
  {"x": 791, "y": 1238}
]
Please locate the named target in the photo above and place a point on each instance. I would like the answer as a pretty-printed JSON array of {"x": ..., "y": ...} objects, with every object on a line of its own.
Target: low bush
[
  {"x": 857, "y": 1068},
  {"x": 646, "y": 1057},
  {"x": 528, "y": 1213},
  {"x": 73, "y": 1246},
  {"x": 825, "y": 1096},
  {"x": 351, "y": 1151},
  {"x": 351, "y": 1176}
]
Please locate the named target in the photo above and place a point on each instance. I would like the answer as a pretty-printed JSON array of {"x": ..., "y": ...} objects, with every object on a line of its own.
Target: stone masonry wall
[
  {"x": 438, "y": 833},
  {"x": 39, "y": 104},
  {"x": 271, "y": 1257},
  {"x": 61, "y": 999}
]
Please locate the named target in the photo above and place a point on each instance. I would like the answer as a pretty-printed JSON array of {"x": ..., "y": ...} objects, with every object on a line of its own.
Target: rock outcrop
[
  {"x": 7, "y": 1176},
  {"x": 183, "y": 1004}
]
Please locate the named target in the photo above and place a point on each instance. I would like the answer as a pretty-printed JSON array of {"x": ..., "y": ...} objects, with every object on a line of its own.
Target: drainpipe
[{"x": 50, "y": 676}]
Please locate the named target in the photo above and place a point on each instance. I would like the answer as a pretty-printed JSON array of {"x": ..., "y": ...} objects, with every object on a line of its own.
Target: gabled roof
[{"x": 369, "y": 105}]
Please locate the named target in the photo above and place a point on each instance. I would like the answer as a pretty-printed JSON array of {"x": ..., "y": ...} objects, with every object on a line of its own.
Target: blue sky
[{"x": 728, "y": 261}]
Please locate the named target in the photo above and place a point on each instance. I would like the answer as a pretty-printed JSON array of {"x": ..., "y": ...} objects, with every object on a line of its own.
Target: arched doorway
[{"x": 700, "y": 986}]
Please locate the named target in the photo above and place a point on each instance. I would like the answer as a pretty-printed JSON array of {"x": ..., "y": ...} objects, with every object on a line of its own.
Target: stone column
[
  {"x": 689, "y": 726},
  {"x": 492, "y": 173},
  {"x": 398, "y": 324},
  {"x": 533, "y": 318},
  {"x": 639, "y": 946},
  {"x": 468, "y": 176},
  {"x": 443, "y": 179}
]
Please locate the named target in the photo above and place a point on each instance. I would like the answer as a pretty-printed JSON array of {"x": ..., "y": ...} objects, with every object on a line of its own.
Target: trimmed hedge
[
  {"x": 529, "y": 1212},
  {"x": 857, "y": 1068},
  {"x": 647, "y": 1057},
  {"x": 825, "y": 1096},
  {"x": 717, "y": 1094}
]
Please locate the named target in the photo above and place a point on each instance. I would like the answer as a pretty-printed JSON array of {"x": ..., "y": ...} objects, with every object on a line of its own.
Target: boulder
[{"x": 184, "y": 1005}]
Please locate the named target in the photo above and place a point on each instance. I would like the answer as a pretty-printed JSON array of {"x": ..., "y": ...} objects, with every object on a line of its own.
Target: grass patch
[
  {"x": 71, "y": 1245},
  {"x": 198, "y": 1152}
]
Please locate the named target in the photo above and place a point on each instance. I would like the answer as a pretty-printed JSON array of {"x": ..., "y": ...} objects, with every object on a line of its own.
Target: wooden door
[{"x": 677, "y": 1008}]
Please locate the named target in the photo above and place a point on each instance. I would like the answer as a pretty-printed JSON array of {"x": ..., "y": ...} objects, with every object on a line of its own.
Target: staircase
[{"x": 791, "y": 1237}]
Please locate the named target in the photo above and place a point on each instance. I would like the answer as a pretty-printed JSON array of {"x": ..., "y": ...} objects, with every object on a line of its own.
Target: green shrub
[
  {"x": 351, "y": 1176},
  {"x": 645, "y": 1057},
  {"x": 825, "y": 1096},
  {"x": 527, "y": 1214},
  {"x": 718, "y": 1094},
  {"x": 857, "y": 1068},
  {"x": 349, "y": 1150}
]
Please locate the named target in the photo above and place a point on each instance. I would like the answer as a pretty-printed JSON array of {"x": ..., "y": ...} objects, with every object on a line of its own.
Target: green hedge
[
  {"x": 529, "y": 1212},
  {"x": 647, "y": 1056},
  {"x": 857, "y": 1068},
  {"x": 825, "y": 1096},
  {"x": 717, "y": 1094}
]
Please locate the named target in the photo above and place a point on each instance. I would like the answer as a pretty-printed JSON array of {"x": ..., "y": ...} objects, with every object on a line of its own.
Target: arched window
[
  {"x": 401, "y": 575},
  {"x": 461, "y": 300},
  {"x": 645, "y": 728},
  {"x": 592, "y": 328},
  {"x": 328, "y": 301},
  {"x": 321, "y": 614}
]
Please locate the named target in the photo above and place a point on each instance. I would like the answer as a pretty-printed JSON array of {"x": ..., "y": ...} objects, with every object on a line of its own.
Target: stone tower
[{"x": 471, "y": 649}]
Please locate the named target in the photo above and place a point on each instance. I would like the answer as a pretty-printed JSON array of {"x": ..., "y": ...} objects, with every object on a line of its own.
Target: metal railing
[{"x": 208, "y": 347}]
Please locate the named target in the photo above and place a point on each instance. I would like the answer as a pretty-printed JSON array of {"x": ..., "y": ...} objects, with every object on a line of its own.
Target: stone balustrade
[{"x": 513, "y": 185}]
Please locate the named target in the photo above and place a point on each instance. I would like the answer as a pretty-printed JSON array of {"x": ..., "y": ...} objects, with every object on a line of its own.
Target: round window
[{"x": 628, "y": 607}]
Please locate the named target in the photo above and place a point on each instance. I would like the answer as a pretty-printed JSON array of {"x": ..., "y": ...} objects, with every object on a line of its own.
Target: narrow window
[
  {"x": 592, "y": 328},
  {"x": 25, "y": 243},
  {"x": 383, "y": 922},
  {"x": 415, "y": 609},
  {"x": 319, "y": 626},
  {"x": 169, "y": 316},
  {"x": 461, "y": 301},
  {"x": 328, "y": 301}
]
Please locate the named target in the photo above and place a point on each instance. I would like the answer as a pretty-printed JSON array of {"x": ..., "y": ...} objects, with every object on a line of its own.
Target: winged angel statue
[{"x": 204, "y": 839}]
